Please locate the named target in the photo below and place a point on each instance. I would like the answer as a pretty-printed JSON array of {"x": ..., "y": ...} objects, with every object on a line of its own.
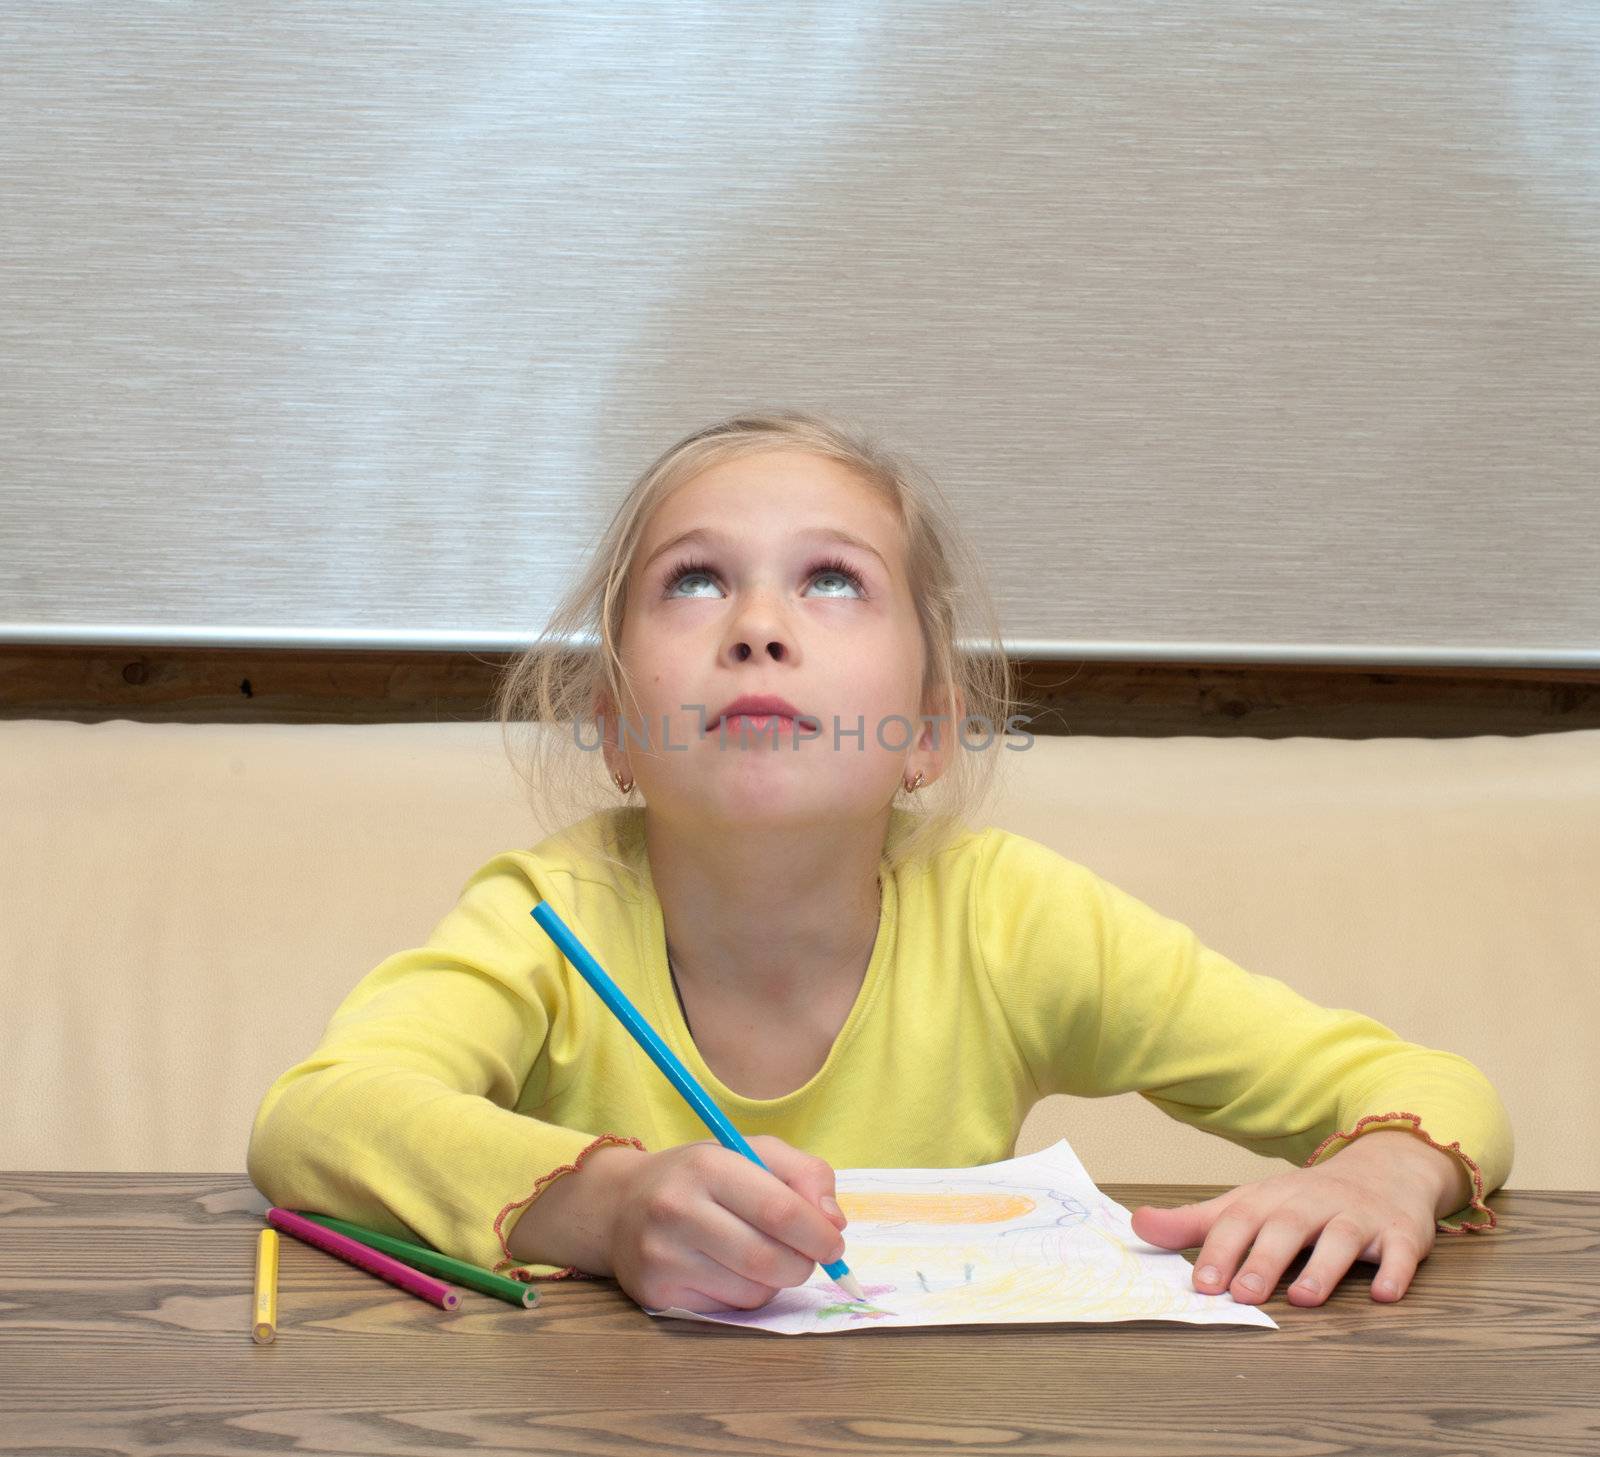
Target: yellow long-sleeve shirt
[{"x": 458, "y": 1078}]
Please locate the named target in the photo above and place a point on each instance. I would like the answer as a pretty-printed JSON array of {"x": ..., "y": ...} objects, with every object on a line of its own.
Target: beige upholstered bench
[{"x": 183, "y": 905}]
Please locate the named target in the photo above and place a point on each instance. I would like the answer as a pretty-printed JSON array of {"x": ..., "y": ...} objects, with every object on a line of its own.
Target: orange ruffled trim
[
  {"x": 1452, "y": 1148},
  {"x": 509, "y": 1266}
]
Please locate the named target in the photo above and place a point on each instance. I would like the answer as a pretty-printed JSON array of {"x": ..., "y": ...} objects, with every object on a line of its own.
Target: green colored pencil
[{"x": 432, "y": 1261}]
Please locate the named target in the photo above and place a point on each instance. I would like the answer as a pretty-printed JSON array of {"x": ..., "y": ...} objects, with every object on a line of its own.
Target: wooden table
[{"x": 125, "y": 1304}]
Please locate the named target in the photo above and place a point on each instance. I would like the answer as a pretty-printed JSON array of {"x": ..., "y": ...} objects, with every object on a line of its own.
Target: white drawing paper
[{"x": 1026, "y": 1240}]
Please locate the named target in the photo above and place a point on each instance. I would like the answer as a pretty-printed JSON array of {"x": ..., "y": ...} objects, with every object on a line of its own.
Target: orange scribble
[{"x": 890, "y": 1208}]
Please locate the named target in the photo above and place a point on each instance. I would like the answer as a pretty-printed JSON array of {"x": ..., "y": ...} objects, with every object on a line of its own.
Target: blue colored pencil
[{"x": 662, "y": 1055}]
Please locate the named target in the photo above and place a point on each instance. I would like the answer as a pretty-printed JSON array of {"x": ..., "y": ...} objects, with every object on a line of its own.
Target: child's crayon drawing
[{"x": 1028, "y": 1239}]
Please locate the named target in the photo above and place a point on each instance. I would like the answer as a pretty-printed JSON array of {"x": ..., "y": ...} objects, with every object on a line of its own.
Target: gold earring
[
  {"x": 620, "y": 785},
  {"x": 911, "y": 787}
]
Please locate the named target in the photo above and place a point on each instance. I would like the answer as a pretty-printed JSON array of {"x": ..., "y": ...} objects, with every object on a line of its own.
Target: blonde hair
[{"x": 550, "y": 691}]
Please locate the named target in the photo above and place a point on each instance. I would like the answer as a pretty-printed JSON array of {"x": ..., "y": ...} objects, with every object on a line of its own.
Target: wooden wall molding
[{"x": 299, "y": 685}]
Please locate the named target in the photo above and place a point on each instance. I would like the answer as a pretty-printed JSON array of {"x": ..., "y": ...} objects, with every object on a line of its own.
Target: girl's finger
[
  {"x": 1232, "y": 1233},
  {"x": 1400, "y": 1257},
  {"x": 1284, "y": 1233},
  {"x": 810, "y": 1177},
  {"x": 1180, "y": 1227},
  {"x": 750, "y": 1252},
  {"x": 1340, "y": 1245},
  {"x": 714, "y": 1285},
  {"x": 764, "y": 1203}
]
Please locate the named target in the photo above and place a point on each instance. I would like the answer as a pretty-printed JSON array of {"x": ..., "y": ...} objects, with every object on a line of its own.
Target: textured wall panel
[{"x": 1233, "y": 329}]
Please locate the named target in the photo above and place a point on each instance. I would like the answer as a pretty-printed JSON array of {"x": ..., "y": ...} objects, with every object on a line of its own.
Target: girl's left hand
[{"x": 1375, "y": 1203}]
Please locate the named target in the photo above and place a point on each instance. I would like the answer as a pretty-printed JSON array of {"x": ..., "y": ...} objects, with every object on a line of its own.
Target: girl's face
[{"x": 768, "y": 597}]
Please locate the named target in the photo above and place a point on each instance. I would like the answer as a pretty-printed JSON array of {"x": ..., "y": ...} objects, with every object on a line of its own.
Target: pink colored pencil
[{"x": 385, "y": 1267}]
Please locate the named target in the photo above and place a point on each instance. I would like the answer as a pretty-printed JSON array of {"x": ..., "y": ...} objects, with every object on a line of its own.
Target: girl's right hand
[{"x": 701, "y": 1227}]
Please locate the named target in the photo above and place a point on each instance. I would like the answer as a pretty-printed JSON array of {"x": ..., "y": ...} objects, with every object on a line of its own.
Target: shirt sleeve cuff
[{"x": 507, "y": 1218}]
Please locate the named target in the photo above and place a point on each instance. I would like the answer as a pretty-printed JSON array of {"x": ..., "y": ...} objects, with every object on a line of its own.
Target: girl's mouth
[{"x": 736, "y": 723}]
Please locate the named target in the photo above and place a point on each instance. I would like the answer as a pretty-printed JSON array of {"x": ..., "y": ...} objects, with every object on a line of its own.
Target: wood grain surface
[{"x": 125, "y": 1313}]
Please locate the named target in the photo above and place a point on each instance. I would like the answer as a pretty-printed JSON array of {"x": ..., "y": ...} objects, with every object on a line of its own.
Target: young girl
[{"x": 789, "y": 893}]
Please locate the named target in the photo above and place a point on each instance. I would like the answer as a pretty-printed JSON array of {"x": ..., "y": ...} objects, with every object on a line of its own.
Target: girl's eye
[
  {"x": 836, "y": 568},
  {"x": 689, "y": 571},
  {"x": 684, "y": 573}
]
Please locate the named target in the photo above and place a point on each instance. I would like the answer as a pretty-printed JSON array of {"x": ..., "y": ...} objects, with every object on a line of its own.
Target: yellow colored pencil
[{"x": 265, "y": 1330}]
